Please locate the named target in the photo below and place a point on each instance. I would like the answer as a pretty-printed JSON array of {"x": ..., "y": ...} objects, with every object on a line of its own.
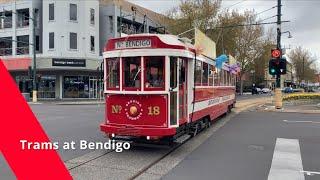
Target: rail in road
[{"x": 145, "y": 162}]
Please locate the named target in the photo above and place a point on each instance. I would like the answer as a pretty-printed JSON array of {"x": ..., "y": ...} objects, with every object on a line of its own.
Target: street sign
[{"x": 275, "y": 53}]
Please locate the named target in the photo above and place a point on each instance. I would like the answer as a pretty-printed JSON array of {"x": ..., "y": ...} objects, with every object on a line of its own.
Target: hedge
[{"x": 305, "y": 96}]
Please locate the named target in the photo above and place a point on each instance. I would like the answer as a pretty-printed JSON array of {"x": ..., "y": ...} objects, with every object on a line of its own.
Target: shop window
[
  {"x": 76, "y": 87},
  {"x": 132, "y": 72},
  {"x": 112, "y": 73},
  {"x": 198, "y": 73},
  {"x": 154, "y": 73},
  {"x": 205, "y": 73},
  {"x": 46, "y": 87}
]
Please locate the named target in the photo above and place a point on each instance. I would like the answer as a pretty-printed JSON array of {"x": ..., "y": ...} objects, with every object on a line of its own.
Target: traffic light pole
[
  {"x": 34, "y": 83},
  {"x": 278, "y": 93}
]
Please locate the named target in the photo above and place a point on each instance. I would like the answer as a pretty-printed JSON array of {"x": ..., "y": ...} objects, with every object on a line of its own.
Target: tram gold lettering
[
  {"x": 116, "y": 109},
  {"x": 154, "y": 111}
]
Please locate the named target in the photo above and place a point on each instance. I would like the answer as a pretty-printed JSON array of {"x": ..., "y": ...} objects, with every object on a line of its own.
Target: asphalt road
[
  {"x": 244, "y": 148},
  {"x": 65, "y": 123}
]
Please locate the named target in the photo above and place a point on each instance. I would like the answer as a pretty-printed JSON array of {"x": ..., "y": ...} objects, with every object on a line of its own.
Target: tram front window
[
  {"x": 132, "y": 72},
  {"x": 154, "y": 72}
]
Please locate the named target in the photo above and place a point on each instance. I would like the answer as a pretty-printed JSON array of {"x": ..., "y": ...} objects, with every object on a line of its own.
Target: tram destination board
[{"x": 69, "y": 62}]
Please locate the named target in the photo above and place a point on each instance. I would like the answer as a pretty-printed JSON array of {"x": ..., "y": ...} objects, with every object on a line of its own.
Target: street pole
[
  {"x": 120, "y": 23},
  {"x": 34, "y": 83},
  {"x": 278, "y": 93}
]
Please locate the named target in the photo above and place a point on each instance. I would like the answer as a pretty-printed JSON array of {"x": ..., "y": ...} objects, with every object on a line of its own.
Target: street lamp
[{"x": 289, "y": 36}]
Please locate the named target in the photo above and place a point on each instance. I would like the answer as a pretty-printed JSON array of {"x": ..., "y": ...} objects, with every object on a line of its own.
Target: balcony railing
[
  {"x": 5, "y": 24},
  {"x": 23, "y": 23},
  {"x": 5, "y": 51},
  {"x": 23, "y": 50}
]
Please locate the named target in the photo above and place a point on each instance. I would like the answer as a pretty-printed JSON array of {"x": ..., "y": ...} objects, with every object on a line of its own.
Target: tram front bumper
[{"x": 137, "y": 131}]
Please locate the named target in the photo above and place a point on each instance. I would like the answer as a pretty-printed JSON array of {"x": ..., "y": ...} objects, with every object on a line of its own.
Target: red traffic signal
[{"x": 275, "y": 53}]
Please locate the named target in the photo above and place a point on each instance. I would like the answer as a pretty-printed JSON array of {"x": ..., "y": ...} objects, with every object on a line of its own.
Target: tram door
[{"x": 183, "y": 88}]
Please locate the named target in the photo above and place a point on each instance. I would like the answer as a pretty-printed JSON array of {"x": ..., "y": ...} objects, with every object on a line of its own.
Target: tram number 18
[{"x": 154, "y": 110}]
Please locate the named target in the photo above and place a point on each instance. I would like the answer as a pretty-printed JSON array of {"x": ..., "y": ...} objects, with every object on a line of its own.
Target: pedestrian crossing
[{"x": 287, "y": 162}]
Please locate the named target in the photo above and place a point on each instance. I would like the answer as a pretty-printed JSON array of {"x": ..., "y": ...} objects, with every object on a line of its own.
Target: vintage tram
[{"x": 158, "y": 88}]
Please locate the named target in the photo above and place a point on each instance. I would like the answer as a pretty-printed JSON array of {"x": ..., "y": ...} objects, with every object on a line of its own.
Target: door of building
[{"x": 93, "y": 88}]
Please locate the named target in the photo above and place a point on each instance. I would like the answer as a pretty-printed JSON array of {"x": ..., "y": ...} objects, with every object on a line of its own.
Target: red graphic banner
[{"x": 19, "y": 123}]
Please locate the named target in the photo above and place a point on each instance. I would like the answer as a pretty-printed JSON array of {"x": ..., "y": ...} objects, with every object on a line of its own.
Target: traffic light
[
  {"x": 277, "y": 66},
  {"x": 273, "y": 66}
]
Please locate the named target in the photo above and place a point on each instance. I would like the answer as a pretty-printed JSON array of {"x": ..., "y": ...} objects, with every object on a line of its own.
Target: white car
[
  {"x": 259, "y": 91},
  {"x": 266, "y": 90}
]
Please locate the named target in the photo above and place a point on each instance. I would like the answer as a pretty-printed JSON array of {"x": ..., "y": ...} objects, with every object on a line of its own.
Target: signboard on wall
[{"x": 69, "y": 62}]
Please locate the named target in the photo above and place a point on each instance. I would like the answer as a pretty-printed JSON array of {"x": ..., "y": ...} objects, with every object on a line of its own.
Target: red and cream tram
[{"x": 157, "y": 87}]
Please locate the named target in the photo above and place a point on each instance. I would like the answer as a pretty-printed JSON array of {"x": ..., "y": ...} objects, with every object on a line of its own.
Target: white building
[{"x": 70, "y": 37}]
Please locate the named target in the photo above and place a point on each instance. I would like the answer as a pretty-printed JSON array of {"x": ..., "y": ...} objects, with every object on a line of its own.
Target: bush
[{"x": 302, "y": 96}]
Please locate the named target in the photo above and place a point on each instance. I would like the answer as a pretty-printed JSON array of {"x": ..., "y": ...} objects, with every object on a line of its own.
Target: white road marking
[
  {"x": 314, "y": 122},
  {"x": 310, "y": 173},
  {"x": 286, "y": 161}
]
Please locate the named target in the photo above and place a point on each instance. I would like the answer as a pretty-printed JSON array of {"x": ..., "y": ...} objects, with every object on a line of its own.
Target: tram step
[{"x": 183, "y": 138}]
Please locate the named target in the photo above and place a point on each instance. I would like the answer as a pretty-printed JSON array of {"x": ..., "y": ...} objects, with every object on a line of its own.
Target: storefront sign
[
  {"x": 146, "y": 43},
  {"x": 69, "y": 62}
]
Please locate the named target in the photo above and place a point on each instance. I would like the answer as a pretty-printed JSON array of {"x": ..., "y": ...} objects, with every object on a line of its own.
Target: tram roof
[{"x": 157, "y": 41}]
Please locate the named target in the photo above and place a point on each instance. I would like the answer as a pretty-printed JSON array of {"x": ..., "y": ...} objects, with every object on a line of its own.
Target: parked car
[
  {"x": 266, "y": 90},
  {"x": 259, "y": 91},
  {"x": 288, "y": 90}
]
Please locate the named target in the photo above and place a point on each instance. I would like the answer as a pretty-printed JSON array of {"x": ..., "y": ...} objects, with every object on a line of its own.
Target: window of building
[
  {"x": 154, "y": 73},
  {"x": 205, "y": 73},
  {"x": 23, "y": 45},
  {"x": 198, "y": 73},
  {"x": 51, "y": 40},
  {"x": 46, "y": 88},
  {"x": 92, "y": 47},
  {"x": 5, "y": 46},
  {"x": 73, "y": 41},
  {"x": 111, "y": 24},
  {"x": 76, "y": 87},
  {"x": 51, "y": 12},
  {"x": 92, "y": 16},
  {"x": 112, "y": 73},
  {"x": 73, "y": 12},
  {"x": 132, "y": 72}
]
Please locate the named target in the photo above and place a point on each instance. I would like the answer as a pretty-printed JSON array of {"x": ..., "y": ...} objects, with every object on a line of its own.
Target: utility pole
[
  {"x": 278, "y": 93},
  {"x": 34, "y": 83},
  {"x": 278, "y": 76}
]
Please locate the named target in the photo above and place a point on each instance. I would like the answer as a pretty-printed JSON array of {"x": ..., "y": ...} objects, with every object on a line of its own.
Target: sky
[{"x": 304, "y": 17}]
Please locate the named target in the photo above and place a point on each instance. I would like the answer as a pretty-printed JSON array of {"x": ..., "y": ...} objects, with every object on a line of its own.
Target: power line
[
  {"x": 251, "y": 24},
  {"x": 266, "y": 10},
  {"x": 235, "y": 4},
  {"x": 268, "y": 18}
]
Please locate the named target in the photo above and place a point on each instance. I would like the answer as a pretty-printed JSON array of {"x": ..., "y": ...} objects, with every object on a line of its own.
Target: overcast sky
[{"x": 303, "y": 14}]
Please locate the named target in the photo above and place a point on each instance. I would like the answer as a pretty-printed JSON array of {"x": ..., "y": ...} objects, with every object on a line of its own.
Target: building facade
[{"x": 70, "y": 36}]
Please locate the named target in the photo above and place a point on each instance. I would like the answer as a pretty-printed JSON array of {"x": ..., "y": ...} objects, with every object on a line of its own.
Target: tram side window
[
  {"x": 211, "y": 74},
  {"x": 132, "y": 72},
  {"x": 217, "y": 77},
  {"x": 154, "y": 72},
  {"x": 112, "y": 75},
  {"x": 205, "y": 73},
  {"x": 173, "y": 72},
  {"x": 198, "y": 73}
]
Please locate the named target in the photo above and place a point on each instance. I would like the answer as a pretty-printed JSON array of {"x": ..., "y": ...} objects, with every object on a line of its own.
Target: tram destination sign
[
  {"x": 69, "y": 62},
  {"x": 144, "y": 43}
]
